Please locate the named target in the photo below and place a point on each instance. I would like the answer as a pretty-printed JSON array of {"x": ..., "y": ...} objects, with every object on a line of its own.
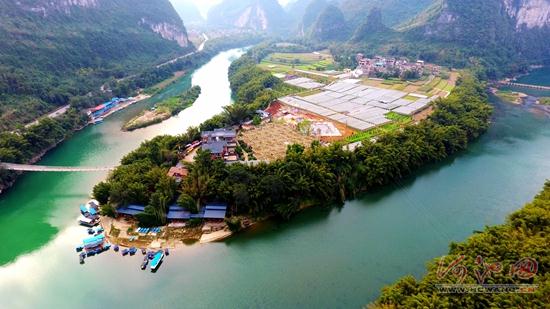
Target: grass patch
[
  {"x": 399, "y": 122},
  {"x": 544, "y": 100},
  {"x": 410, "y": 98},
  {"x": 309, "y": 92},
  {"x": 507, "y": 95},
  {"x": 431, "y": 85}
]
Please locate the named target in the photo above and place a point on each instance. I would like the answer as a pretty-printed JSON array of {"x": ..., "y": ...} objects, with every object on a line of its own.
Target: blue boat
[
  {"x": 106, "y": 247},
  {"x": 79, "y": 248},
  {"x": 166, "y": 251},
  {"x": 156, "y": 261},
  {"x": 94, "y": 241},
  {"x": 90, "y": 231},
  {"x": 144, "y": 263},
  {"x": 125, "y": 251},
  {"x": 116, "y": 248},
  {"x": 132, "y": 250}
]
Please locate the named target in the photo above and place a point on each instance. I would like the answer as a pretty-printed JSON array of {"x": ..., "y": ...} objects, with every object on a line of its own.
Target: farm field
[
  {"x": 270, "y": 141},
  {"x": 288, "y": 62},
  {"x": 399, "y": 122}
]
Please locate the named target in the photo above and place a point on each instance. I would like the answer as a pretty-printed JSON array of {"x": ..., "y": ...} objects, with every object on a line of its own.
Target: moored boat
[
  {"x": 157, "y": 260},
  {"x": 125, "y": 251},
  {"x": 144, "y": 263},
  {"x": 132, "y": 250}
]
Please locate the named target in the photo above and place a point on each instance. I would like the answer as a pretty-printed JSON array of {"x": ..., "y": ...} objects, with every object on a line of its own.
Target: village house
[
  {"x": 221, "y": 143},
  {"x": 380, "y": 66},
  {"x": 178, "y": 172}
]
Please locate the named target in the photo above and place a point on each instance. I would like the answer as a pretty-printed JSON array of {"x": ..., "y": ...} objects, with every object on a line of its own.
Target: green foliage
[
  {"x": 525, "y": 234},
  {"x": 26, "y": 144},
  {"x": 108, "y": 210},
  {"x": 315, "y": 176},
  {"x": 234, "y": 224},
  {"x": 187, "y": 202},
  {"x": 544, "y": 100},
  {"x": 101, "y": 192}
]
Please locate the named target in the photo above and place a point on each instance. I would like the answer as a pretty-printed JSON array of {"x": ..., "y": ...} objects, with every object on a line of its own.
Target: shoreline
[{"x": 35, "y": 159}]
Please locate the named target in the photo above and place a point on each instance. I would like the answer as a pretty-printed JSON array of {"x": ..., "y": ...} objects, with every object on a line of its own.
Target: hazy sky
[{"x": 204, "y": 5}]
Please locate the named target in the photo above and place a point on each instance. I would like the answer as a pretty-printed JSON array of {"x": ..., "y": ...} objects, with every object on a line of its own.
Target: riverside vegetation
[
  {"x": 526, "y": 234},
  {"x": 164, "y": 110},
  {"x": 27, "y": 145},
  {"x": 319, "y": 176}
]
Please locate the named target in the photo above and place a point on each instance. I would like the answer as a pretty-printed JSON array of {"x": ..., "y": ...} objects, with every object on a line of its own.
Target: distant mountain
[
  {"x": 519, "y": 28},
  {"x": 394, "y": 12},
  {"x": 330, "y": 25},
  {"x": 310, "y": 16},
  {"x": 373, "y": 26},
  {"x": 257, "y": 15},
  {"x": 188, "y": 11},
  {"x": 52, "y": 50}
]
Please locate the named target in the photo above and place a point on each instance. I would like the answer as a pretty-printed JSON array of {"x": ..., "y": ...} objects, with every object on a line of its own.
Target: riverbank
[
  {"x": 513, "y": 255},
  {"x": 163, "y": 110},
  {"x": 125, "y": 232}
]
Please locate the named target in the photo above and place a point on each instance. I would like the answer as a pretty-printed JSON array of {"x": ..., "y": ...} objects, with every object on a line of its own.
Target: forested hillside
[
  {"x": 53, "y": 50},
  {"x": 522, "y": 240}
]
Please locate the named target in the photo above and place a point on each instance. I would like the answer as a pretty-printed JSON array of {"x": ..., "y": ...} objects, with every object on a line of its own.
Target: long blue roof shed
[
  {"x": 176, "y": 212},
  {"x": 215, "y": 211},
  {"x": 131, "y": 210}
]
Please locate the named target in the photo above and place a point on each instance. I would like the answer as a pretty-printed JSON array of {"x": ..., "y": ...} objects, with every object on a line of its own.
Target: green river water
[{"x": 328, "y": 258}]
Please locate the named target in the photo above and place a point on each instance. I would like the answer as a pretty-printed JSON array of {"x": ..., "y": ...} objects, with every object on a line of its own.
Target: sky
[{"x": 205, "y": 5}]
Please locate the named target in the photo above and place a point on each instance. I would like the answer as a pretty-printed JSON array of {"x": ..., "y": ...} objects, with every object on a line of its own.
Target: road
[{"x": 58, "y": 112}]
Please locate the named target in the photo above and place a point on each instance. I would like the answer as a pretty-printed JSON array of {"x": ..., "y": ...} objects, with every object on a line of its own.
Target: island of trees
[
  {"x": 524, "y": 237},
  {"x": 164, "y": 110},
  {"x": 318, "y": 176}
]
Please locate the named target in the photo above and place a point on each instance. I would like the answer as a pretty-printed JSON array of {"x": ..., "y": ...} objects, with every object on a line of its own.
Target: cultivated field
[
  {"x": 270, "y": 141},
  {"x": 288, "y": 62}
]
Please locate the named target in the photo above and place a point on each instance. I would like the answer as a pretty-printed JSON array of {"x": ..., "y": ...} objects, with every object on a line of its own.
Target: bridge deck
[
  {"x": 42, "y": 168},
  {"x": 526, "y": 85}
]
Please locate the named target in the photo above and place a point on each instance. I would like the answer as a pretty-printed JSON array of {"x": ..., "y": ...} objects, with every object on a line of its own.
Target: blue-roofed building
[
  {"x": 177, "y": 213},
  {"x": 215, "y": 211},
  {"x": 131, "y": 210}
]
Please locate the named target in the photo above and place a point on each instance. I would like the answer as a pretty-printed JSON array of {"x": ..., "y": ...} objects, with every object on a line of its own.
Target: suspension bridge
[
  {"x": 537, "y": 87},
  {"x": 43, "y": 168}
]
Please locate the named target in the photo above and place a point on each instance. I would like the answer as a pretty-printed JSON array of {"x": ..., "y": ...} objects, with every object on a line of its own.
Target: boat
[
  {"x": 81, "y": 257},
  {"x": 90, "y": 231},
  {"x": 132, "y": 250},
  {"x": 94, "y": 242},
  {"x": 144, "y": 263},
  {"x": 106, "y": 247},
  {"x": 166, "y": 251},
  {"x": 116, "y": 248},
  {"x": 157, "y": 260},
  {"x": 125, "y": 251},
  {"x": 143, "y": 251},
  {"x": 88, "y": 222},
  {"x": 79, "y": 248},
  {"x": 97, "y": 120}
]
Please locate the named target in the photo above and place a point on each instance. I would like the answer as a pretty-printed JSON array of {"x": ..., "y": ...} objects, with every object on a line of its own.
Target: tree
[{"x": 101, "y": 192}]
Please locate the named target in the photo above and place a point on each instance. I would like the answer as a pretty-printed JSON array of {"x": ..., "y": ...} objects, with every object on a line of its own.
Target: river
[{"x": 329, "y": 258}]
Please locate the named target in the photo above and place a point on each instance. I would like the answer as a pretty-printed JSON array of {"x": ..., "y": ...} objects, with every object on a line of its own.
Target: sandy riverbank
[{"x": 123, "y": 232}]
